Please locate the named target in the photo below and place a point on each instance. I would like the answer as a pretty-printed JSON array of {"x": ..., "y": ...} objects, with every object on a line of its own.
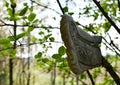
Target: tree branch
[
  {"x": 119, "y": 4},
  {"x": 109, "y": 68},
  {"x": 113, "y": 48},
  {"x": 106, "y": 16},
  {"x": 112, "y": 43},
  {"x": 21, "y": 44},
  {"x": 29, "y": 26},
  {"x": 90, "y": 76},
  {"x": 60, "y": 6},
  {"x": 45, "y": 6}
]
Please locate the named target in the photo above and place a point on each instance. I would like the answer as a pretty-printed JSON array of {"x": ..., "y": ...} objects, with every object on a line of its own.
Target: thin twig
[
  {"x": 112, "y": 43},
  {"x": 2, "y": 21},
  {"x": 112, "y": 48},
  {"x": 29, "y": 26},
  {"x": 60, "y": 6},
  {"x": 77, "y": 79},
  {"x": 90, "y": 76},
  {"x": 21, "y": 44},
  {"x": 45, "y": 7},
  {"x": 115, "y": 45},
  {"x": 106, "y": 15},
  {"x": 119, "y": 4}
]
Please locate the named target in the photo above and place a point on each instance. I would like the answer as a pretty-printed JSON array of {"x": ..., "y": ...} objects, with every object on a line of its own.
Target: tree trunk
[{"x": 10, "y": 71}]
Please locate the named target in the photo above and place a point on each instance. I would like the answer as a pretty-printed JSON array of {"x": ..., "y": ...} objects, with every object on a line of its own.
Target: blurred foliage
[{"x": 35, "y": 31}]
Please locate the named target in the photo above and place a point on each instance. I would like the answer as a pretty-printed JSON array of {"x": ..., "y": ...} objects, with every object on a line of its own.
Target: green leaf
[
  {"x": 39, "y": 55},
  {"x": 45, "y": 60},
  {"x": 95, "y": 15},
  {"x": 31, "y": 9},
  {"x": 9, "y": 10},
  {"x": 13, "y": 5},
  {"x": 23, "y": 11},
  {"x": 41, "y": 33},
  {"x": 20, "y": 35},
  {"x": 13, "y": 38},
  {"x": 61, "y": 50},
  {"x": 36, "y": 21},
  {"x": 30, "y": 29},
  {"x": 6, "y": 4},
  {"x": 55, "y": 56},
  {"x": 25, "y": 4},
  {"x": 83, "y": 76},
  {"x": 16, "y": 17},
  {"x": 71, "y": 13},
  {"x": 77, "y": 23},
  {"x": 11, "y": 1},
  {"x": 65, "y": 9},
  {"x": 52, "y": 39},
  {"x": 4, "y": 41},
  {"x": 87, "y": 10},
  {"x": 31, "y": 16},
  {"x": 34, "y": 39},
  {"x": 47, "y": 36},
  {"x": 106, "y": 26}
]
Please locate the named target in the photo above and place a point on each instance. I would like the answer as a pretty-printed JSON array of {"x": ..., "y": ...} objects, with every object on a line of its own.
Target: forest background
[{"x": 31, "y": 49}]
